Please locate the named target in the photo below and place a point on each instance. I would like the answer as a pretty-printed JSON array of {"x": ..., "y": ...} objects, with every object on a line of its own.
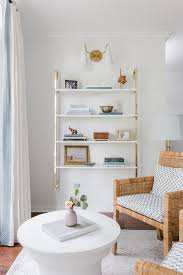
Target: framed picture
[
  {"x": 71, "y": 84},
  {"x": 75, "y": 154},
  {"x": 123, "y": 134}
]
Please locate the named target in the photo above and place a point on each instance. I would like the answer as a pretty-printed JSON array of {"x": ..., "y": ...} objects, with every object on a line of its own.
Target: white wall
[
  {"x": 42, "y": 55},
  {"x": 174, "y": 84}
]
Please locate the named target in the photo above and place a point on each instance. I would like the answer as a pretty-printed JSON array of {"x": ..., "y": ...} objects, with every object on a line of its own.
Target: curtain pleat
[
  {"x": 16, "y": 178},
  {"x": 6, "y": 131}
]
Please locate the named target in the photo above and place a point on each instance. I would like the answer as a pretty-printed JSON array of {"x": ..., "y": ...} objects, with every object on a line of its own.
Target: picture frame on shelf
[
  {"x": 76, "y": 154},
  {"x": 123, "y": 134},
  {"x": 71, "y": 84}
]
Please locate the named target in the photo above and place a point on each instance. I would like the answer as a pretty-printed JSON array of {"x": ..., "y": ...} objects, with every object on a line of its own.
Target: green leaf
[
  {"x": 76, "y": 192},
  {"x": 78, "y": 204},
  {"x": 84, "y": 205},
  {"x": 83, "y": 198},
  {"x": 76, "y": 189}
]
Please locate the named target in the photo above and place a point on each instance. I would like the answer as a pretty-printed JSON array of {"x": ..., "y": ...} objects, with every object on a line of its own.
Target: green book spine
[{"x": 116, "y": 163}]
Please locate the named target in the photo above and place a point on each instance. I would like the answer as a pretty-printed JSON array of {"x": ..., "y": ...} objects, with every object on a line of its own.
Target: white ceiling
[{"x": 55, "y": 17}]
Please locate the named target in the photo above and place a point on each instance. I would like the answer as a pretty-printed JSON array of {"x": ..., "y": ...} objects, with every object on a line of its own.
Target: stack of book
[
  {"x": 78, "y": 109},
  {"x": 78, "y": 137},
  {"x": 60, "y": 232},
  {"x": 115, "y": 161}
]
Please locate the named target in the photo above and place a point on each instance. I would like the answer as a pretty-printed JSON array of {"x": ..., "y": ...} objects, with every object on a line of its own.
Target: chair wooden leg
[
  {"x": 116, "y": 218},
  {"x": 167, "y": 241},
  {"x": 114, "y": 249},
  {"x": 159, "y": 233}
]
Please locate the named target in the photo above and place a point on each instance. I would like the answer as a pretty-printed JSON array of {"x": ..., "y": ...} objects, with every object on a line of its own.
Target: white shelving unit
[{"x": 61, "y": 118}]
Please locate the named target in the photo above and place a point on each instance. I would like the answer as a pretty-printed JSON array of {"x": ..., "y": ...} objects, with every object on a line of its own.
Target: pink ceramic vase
[{"x": 70, "y": 217}]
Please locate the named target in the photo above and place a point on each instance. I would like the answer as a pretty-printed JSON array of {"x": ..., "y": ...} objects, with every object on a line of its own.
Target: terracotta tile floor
[{"x": 7, "y": 257}]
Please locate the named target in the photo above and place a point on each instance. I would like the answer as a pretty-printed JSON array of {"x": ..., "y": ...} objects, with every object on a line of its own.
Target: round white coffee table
[{"x": 78, "y": 256}]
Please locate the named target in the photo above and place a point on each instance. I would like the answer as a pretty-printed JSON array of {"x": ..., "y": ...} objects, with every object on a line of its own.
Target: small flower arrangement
[{"x": 76, "y": 199}]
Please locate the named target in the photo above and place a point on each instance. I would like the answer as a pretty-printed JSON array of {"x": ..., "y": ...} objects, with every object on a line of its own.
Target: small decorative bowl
[{"x": 106, "y": 109}]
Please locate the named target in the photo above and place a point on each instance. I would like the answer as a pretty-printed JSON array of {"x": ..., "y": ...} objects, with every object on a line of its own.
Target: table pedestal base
[
  {"x": 87, "y": 263},
  {"x": 94, "y": 269}
]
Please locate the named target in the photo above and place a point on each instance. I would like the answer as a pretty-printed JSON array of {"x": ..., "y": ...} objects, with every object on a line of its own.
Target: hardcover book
[
  {"x": 120, "y": 159},
  {"x": 59, "y": 231}
]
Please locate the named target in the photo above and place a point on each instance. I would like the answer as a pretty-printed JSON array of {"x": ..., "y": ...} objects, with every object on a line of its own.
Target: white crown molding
[
  {"x": 113, "y": 35},
  {"x": 174, "y": 68}
]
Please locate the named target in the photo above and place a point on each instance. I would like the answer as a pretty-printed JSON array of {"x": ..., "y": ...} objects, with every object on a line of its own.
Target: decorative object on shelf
[
  {"x": 101, "y": 136},
  {"x": 71, "y": 84},
  {"x": 74, "y": 132},
  {"x": 96, "y": 55},
  {"x": 76, "y": 154},
  {"x": 56, "y": 79},
  {"x": 122, "y": 79},
  {"x": 78, "y": 109},
  {"x": 123, "y": 134},
  {"x": 106, "y": 109}
]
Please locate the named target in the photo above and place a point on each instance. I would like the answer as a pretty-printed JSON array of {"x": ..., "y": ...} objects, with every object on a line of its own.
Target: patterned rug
[{"x": 133, "y": 244}]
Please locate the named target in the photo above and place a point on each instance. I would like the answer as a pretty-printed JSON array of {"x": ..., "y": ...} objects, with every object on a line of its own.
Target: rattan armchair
[
  {"x": 173, "y": 201},
  {"x": 147, "y": 268}
]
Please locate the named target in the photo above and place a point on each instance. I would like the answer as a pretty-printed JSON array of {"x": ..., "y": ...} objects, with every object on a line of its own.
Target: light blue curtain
[
  {"x": 16, "y": 206},
  {"x": 6, "y": 130}
]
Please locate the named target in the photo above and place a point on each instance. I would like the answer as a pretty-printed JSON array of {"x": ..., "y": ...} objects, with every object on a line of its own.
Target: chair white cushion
[
  {"x": 167, "y": 179},
  {"x": 146, "y": 204},
  {"x": 174, "y": 259}
]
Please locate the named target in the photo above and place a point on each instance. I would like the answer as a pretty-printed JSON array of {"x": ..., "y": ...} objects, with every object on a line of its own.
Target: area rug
[{"x": 133, "y": 244}]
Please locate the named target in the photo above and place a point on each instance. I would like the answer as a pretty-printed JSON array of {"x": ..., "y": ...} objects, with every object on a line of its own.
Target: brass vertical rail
[
  {"x": 56, "y": 181},
  {"x": 135, "y": 76}
]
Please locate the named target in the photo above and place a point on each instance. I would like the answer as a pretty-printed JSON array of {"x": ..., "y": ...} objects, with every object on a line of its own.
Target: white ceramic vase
[{"x": 70, "y": 217}]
